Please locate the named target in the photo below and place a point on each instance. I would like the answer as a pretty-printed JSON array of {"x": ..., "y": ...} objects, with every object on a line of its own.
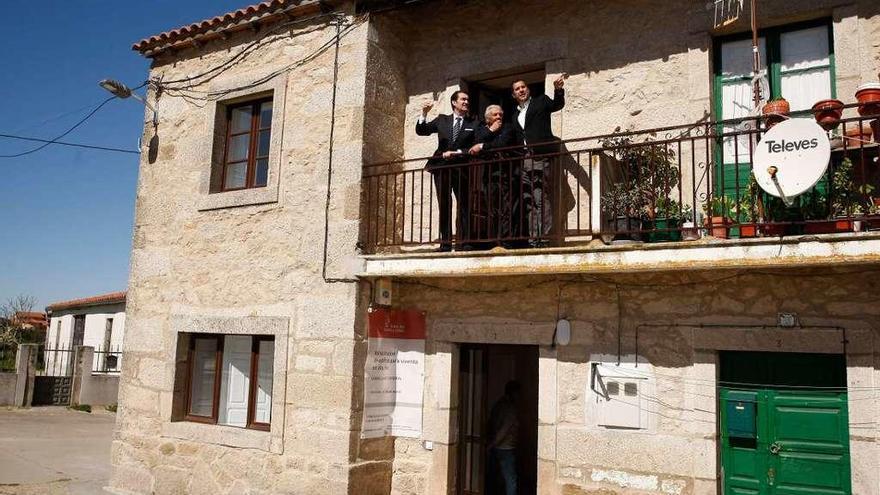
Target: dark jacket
[
  {"x": 442, "y": 126},
  {"x": 537, "y": 128},
  {"x": 502, "y": 138}
]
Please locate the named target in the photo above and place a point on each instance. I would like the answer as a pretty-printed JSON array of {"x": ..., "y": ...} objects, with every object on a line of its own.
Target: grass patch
[
  {"x": 82, "y": 407},
  {"x": 112, "y": 408}
]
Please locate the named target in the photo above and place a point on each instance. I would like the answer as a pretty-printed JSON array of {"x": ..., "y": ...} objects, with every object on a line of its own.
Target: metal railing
[
  {"x": 57, "y": 361},
  {"x": 107, "y": 360},
  {"x": 666, "y": 184}
]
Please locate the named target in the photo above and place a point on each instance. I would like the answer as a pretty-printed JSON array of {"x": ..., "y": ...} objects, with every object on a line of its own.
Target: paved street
[{"x": 52, "y": 450}]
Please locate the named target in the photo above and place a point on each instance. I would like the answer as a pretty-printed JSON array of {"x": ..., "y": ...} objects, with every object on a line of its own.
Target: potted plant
[
  {"x": 828, "y": 113},
  {"x": 775, "y": 111},
  {"x": 622, "y": 203},
  {"x": 868, "y": 96},
  {"x": 750, "y": 209},
  {"x": 669, "y": 217},
  {"x": 719, "y": 211}
]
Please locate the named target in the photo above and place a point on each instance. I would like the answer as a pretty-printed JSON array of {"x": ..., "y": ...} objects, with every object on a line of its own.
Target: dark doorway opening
[
  {"x": 484, "y": 372},
  {"x": 495, "y": 89}
]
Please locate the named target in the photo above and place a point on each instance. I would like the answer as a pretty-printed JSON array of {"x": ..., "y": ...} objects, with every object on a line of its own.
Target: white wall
[{"x": 60, "y": 337}]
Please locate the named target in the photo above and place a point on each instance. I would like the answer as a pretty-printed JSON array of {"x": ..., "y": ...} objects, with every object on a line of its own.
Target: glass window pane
[
  {"x": 202, "y": 379},
  {"x": 236, "y": 175},
  {"x": 262, "y": 174},
  {"x": 803, "y": 89},
  {"x": 235, "y": 380},
  {"x": 265, "y": 369},
  {"x": 240, "y": 119},
  {"x": 736, "y": 57},
  {"x": 266, "y": 114},
  {"x": 804, "y": 49},
  {"x": 737, "y": 103},
  {"x": 263, "y": 146},
  {"x": 238, "y": 148}
]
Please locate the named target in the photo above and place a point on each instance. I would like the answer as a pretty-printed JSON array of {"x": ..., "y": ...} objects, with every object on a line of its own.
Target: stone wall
[
  {"x": 7, "y": 388},
  {"x": 676, "y": 324},
  {"x": 250, "y": 262},
  {"x": 641, "y": 76}
]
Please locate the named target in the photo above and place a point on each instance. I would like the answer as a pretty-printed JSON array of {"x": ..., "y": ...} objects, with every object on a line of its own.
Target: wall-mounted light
[{"x": 562, "y": 335}]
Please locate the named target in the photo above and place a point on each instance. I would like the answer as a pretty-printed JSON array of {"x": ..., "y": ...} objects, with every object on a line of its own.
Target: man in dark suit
[
  {"x": 532, "y": 119},
  {"x": 448, "y": 165},
  {"x": 501, "y": 182}
]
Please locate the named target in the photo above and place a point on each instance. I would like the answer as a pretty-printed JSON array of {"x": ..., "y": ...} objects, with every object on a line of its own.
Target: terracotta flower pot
[
  {"x": 719, "y": 226},
  {"x": 857, "y": 135},
  {"x": 748, "y": 230},
  {"x": 828, "y": 113},
  {"x": 868, "y": 96},
  {"x": 775, "y": 111}
]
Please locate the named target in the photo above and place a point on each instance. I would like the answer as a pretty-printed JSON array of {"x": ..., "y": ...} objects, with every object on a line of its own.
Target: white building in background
[{"x": 97, "y": 321}]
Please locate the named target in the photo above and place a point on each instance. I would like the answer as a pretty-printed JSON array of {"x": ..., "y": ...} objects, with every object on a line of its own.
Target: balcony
[{"x": 678, "y": 197}]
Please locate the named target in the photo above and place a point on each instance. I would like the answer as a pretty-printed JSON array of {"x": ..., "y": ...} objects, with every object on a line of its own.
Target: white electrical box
[
  {"x": 620, "y": 393},
  {"x": 382, "y": 292}
]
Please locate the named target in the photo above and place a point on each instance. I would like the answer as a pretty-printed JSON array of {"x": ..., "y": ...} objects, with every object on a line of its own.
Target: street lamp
[{"x": 122, "y": 92}]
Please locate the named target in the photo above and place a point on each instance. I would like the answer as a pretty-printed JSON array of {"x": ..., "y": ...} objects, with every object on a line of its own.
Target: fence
[
  {"x": 107, "y": 360},
  {"x": 56, "y": 361},
  {"x": 665, "y": 184}
]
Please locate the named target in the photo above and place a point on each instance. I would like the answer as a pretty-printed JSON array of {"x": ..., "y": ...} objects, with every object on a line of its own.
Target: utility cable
[
  {"x": 65, "y": 143},
  {"x": 68, "y": 131}
]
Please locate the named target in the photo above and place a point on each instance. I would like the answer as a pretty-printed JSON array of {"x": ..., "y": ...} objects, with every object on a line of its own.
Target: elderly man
[
  {"x": 448, "y": 165},
  {"x": 502, "y": 188},
  {"x": 533, "y": 122}
]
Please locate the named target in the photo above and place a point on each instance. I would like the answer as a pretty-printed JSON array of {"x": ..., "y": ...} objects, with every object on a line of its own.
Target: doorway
[
  {"x": 495, "y": 89},
  {"x": 484, "y": 372},
  {"x": 784, "y": 423}
]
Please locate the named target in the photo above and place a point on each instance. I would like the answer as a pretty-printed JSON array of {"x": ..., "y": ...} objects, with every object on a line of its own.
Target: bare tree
[{"x": 12, "y": 324}]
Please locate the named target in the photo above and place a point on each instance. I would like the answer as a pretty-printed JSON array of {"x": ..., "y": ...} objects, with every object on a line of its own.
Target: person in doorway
[
  {"x": 501, "y": 181},
  {"x": 503, "y": 436},
  {"x": 533, "y": 123},
  {"x": 448, "y": 165}
]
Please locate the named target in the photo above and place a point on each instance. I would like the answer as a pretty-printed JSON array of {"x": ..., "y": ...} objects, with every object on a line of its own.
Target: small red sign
[{"x": 397, "y": 324}]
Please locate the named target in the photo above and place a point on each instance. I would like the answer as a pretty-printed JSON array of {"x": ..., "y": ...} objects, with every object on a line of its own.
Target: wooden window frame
[
  {"x": 218, "y": 380},
  {"x": 253, "y": 133}
]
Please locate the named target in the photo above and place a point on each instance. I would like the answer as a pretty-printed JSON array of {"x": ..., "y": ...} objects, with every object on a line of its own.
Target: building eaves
[
  {"x": 223, "y": 25},
  {"x": 111, "y": 298}
]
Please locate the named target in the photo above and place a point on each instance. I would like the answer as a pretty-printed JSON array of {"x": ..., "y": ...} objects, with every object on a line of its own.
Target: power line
[
  {"x": 68, "y": 131},
  {"x": 65, "y": 143}
]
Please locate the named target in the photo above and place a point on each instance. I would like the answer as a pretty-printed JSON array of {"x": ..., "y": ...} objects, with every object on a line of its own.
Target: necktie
[{"x": 456, "y": 129}]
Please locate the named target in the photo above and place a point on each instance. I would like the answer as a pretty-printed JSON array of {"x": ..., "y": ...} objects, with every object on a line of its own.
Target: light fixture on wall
[
  {"x": 562, "y": 334},
  {"x": 122, "y": 92}
]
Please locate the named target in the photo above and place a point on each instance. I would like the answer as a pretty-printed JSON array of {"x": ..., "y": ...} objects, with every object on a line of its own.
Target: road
[{"x": 54, "y": 451}]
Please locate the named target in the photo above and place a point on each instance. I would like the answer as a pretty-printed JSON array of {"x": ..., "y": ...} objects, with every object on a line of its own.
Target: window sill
[
  {"x": 229, "y": 436},
  {"x": 242, "y": 197}
]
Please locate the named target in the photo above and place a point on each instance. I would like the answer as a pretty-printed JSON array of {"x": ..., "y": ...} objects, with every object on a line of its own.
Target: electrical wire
[
  {"x": 65, "y": 143},
  {"x": 68, "y": 131}
]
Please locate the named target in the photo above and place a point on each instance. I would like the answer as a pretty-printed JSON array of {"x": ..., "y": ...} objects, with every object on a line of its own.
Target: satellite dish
[{"x": 791, "y": 158}]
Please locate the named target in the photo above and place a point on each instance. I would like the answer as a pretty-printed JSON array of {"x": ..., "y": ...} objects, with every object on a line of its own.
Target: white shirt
[{"x": 521, "y": 118}]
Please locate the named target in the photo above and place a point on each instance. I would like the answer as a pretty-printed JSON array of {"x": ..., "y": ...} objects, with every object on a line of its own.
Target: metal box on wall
[{"x": 742, "y": 421}]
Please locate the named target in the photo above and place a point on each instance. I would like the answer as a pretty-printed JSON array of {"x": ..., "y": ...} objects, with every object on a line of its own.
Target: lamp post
[{"x": 122, "y": 92}]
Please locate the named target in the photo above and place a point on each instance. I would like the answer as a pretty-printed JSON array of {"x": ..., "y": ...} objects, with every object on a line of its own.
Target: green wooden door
[{"x": 800, "y": 443}]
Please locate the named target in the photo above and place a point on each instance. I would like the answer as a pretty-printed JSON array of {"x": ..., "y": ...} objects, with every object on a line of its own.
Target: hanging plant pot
[
  {"x": 775, "y": 111},
  {"x": 828, "y": 113},
  {"x": 868, "y": 96}
]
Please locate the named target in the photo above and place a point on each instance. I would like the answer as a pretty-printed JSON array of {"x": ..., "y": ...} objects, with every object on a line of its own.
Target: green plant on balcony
[
  {"x": 651, "y": 177},
  {"x": 848, "y": 200},
  {"x": 622, "y": 203},
  {"x": 719, "y": 210}
]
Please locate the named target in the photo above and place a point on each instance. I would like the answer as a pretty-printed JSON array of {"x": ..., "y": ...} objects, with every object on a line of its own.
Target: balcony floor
[{"x": 596, "y": 257}]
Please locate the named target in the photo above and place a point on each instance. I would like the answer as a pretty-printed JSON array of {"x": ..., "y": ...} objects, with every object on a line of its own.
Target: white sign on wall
[
  {"x": 394, "y": 374},
  {"x": 795, "y": 153}
]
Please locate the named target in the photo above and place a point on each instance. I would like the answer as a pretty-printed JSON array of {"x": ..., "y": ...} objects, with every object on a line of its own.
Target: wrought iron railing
[
  {"x": 666, "y": 184},
  {"x": 107, "y": 360}
]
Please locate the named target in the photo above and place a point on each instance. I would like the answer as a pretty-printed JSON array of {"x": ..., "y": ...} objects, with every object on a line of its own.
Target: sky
[{"x": 66, "y": 214}]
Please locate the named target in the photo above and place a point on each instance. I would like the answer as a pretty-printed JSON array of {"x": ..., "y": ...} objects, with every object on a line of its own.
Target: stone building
[{"x": 274, "y": 197}]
